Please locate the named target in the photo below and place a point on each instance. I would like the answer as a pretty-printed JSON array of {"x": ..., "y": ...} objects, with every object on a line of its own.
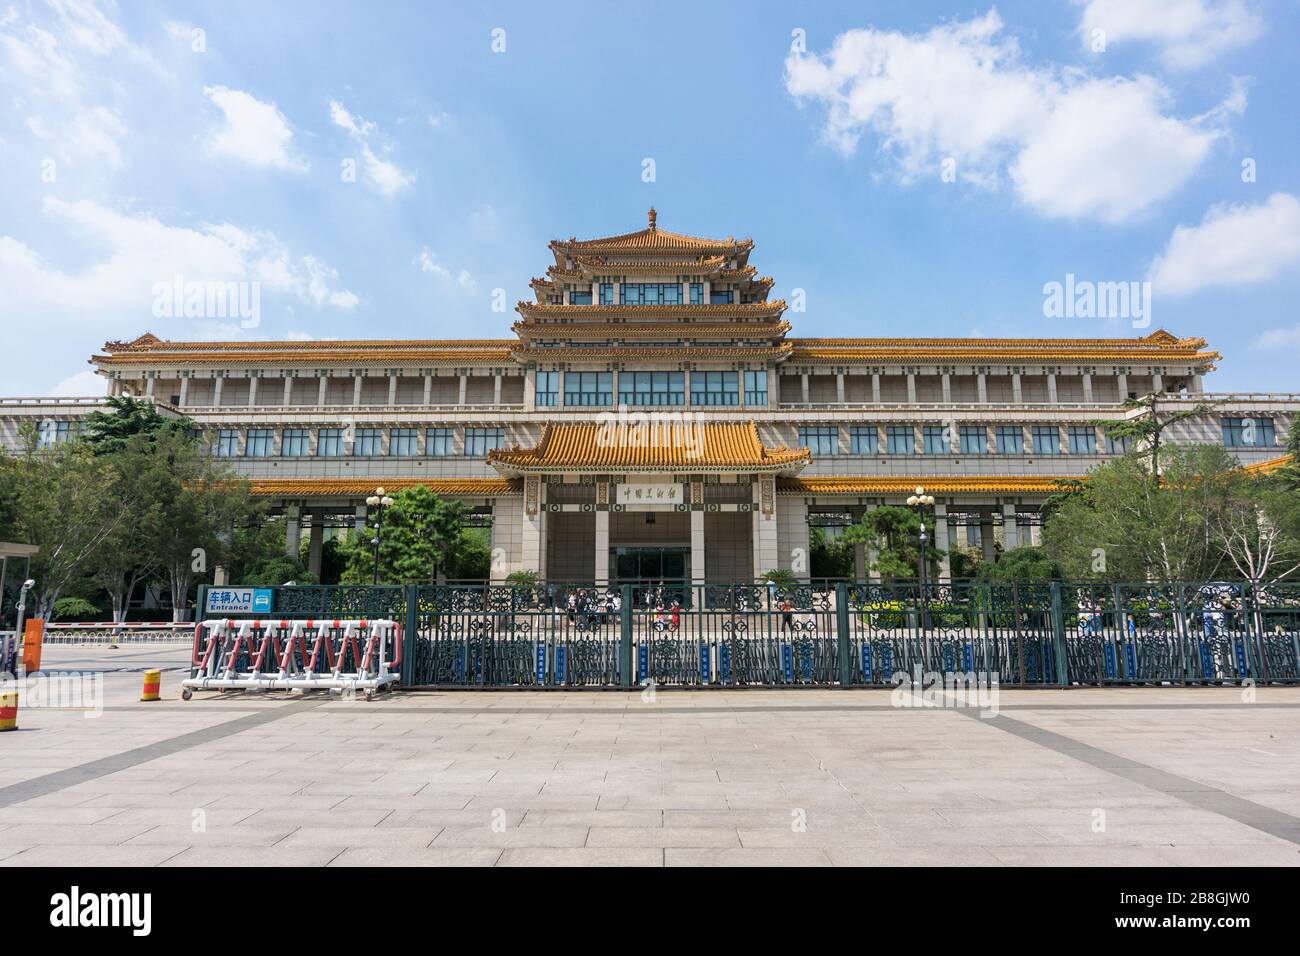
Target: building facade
[{"x": 653, "y": 418}]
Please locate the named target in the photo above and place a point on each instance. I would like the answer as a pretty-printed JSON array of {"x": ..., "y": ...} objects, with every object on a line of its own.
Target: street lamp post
[
  {"x": 920, "y": 500},
  {"x": 379, "y": 501}
]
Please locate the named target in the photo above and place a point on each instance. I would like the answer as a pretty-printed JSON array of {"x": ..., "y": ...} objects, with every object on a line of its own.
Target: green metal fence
[{"x": 833, "y": 634}]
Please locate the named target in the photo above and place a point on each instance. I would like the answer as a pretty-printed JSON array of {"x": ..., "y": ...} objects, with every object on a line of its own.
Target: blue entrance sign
[{"x": 238, "y": 601}]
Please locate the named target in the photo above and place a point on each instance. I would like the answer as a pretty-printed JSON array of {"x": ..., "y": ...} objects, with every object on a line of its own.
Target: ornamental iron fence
[{"x": 1024, "y": 634}]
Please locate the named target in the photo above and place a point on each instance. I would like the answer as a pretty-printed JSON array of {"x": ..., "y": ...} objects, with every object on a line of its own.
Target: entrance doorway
[{"x": 650, "y": 563}]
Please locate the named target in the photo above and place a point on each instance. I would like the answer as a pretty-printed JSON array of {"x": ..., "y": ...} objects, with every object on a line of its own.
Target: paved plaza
[{"x": 680, "y": 778}]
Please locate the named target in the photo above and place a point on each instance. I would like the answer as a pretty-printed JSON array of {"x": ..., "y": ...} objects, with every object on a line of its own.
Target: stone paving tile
[
  {"x": 255, "y": 856},
  {"x": 582, "y": 856},
  {"x": 76, "y": 834},
  {"x": 72, "y": 855},
  {"x": 663, "y": 837},
  {"x": 417, "y": 856},
  {"x": 210, "y": 836},
  {"x": 361, "y": 836},
  {"x": 762, "y": 856},
  {"x": 485, "y": 835}
]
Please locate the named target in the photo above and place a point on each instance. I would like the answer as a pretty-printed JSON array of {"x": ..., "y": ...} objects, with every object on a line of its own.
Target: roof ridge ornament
[{"x": 652, "y": 215}]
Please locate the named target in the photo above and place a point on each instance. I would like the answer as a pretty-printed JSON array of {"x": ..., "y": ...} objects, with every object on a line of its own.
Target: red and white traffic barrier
[{"x": 294, "y": 655}]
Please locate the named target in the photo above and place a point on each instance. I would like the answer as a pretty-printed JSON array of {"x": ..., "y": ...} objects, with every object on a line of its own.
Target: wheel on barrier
[
  {"x": 370, "y": 695},
  {"x": 186, "y": 693}
]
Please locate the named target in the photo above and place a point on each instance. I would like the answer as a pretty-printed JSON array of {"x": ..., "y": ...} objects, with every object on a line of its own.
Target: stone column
[
  {"x": 359, "y": 521},
  {"x": 216, "y": 390},
  {"x": 1051, "y": 388},
  {"x": 1123, "y": 386},
  {"x": 982, "y": 388},
  {"x": 252, "y": 390},
  {"x": 941, "y": 541},
  {"x": 288, "y": 391},
  {"x": 496, "y": 389},
  {"x": 356, "y": 390},
  {"x": 698, "y": 567},
  {"x": 911, "y": 388},
  {"x": 321, "y": 388},
  {"x": 839, "y": 387},
  {"x": 1010, "y": 527},
  {"x": 464, "y": 389},
  {"x": 530, "y": 388},
  {"x": 428, "y": 389},
  {"x": 875, "y": 387},
  {"x": 988, "y": 550},
  {"x": 292, "y": 530},
  {"x": 149, "y": 386},
  {"x": 766, "y": 557},
  {"x": 602, "y": 548},
  {"x": 1087, "y": 389},
  {"x": 392, "y": 388},
  {"x": 532, "y": 532},
  {"x": 803, "y": 385},
  {"x": 1157, "y": 383},
  {"x": 1015, "y": 388},
  {"x": 859, "y": 549},
  {"x": 316, "y": 544},
  {"x": 185, "y": 390},
  {"x": 947, "y": 388}
]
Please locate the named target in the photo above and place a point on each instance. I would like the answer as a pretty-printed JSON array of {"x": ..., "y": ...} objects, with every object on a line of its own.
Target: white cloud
[
  {"x": 1233, "y": 245},
  {"x": 461, "y": 279},
  {"x": 254, "y": 132},
  {"x": 1188, "y": 33},
  {"x": 387, "y": 176},
  {"x": 138, "y": 252},
  {"x": 80, "y": 385},
  {"x": 1277, "y": 340},
  {"x": 1071, "y": 145}
]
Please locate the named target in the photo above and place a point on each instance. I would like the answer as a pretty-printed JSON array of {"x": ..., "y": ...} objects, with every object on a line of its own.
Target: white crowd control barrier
[{"x": 294, "y": 655}]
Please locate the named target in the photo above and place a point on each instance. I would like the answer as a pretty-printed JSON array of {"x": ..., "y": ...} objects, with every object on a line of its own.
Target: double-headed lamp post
[
  {"x": 921, "y": 501},
  {"x": 379, "y": 501}
]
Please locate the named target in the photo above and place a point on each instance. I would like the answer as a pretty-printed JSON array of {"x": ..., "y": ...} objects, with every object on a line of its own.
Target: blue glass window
[
  {"x": 864, "y": 440},
  {"x": 588, "y": 389},
  {"x": 607, "y": 293},
  {"x": 974, "y": 440},
  {"x": 404, "y": 442},
  {"x": 1011, "y": 440},
  {"x": 697, "y": 293},
  {"x": 650, "y": 293},
  {"x": 439, "y": 442},
  {"x": 227, "y": 443},
  {"x": 1248, "y": 432},
  {"x": 479, "y": 441},
  {"x": 329, "y": 443},
  {"x": 579, "y": 298},
  {"x": 1047, "y": 440},
  {"x": 820, "y": 439},
  {"x": 368, "y": 443},
  {"x": 715, "y": 388},
  {"x": 652, "y": 388},
  {"x": 1116, "y": 446},
  {"x": 296, "y": 443},
  {"x": 756, "y": 387},
  {"x": 721, "y": 296},
  {"x": 548, "y": 389},
  {"x": 1083, "y": 440},
  {"x": 901, "y": 439},
  {"x": 936, "y": 440}
]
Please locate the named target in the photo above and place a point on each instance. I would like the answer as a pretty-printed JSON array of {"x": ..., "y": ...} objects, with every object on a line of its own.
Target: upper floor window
[
  {"x": 756, "y": 387},
  {"x": 1116, "y": 445},
  {"x": 1011, "y": 440},
  {"x": 404, "y": 442},
  {"x": 1248, "y": 432},
  {"x": 329, "y": 443},
  {"x": 652, "y": 388},
  {"x": 479, "y": 441},
  {"x": 936, "y": 440},
  {"x": 1083, "y": 440},
  {"x": 697, "y": 293},
  {"x": 547, "y": 391},
  {"x": 974, "y": 440},
  {"x": 588, "y": 388},
  {"x": 901, "y": 439},
  {"x": 261, "y": 442},
  {"x": 650, "y": 293},
  {"x": 296, "y": 443},
  {"x": 53, "y": 432},
  {"x": 864, "y": 440},
  {"x": 440, "y": 442},
  {"x": 721, "y": 297},
  {"x": 715, "y": 388},
  {"x": 580, "y": 296},
  {"x": 368, "y": 443},
  {"x": 227, "y": 443},
  {"x": 820, "y": 439},
  {"x": 607, "y": 293},
  {"x": 1047, "y": 440}
]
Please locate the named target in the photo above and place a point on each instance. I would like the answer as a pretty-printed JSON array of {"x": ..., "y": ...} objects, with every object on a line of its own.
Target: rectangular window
[
  {"x": 329, "y": 443},
  {"x": 697, "y": 293},
  {"x": 974, "y": 440},
  {"x": 820, "y": 439},
  {"x": 652, "y": 388},
  {"x": 721, "y": 297},
  {"x": 404, "y": 442},
  {"x": 53, "y": 432},
  {"x": 864, "y": 440},
  {"x": 715, "y": 388},
  {"x": 296, "y": 443},
  {"x": 588, "y": 389},
  {"x": 936, "y": 441},
  {"x": 606, "y": 293},
  {"x": 261, "y": 442},
  {"x": 227, "y": 443},
  {"x": 579, "y": 298},
  {"x": 650, "y": 293},
  {"x": 1248, "y": 432},
  {"x": 368, "y": 443},
  {"x": 756, "y": 388},
  {"x": 901, "y": 439},
  {"x": 1116, "y": 446},
  {"x": 439, "y": 442},
  {"x": 479, "y": 441},
  {"x": 1083, "y": 440},
  {"x": 1011, "y": 440},
  {"x": 547, "y": 391},
  {"x": 1047, "y": 440}
]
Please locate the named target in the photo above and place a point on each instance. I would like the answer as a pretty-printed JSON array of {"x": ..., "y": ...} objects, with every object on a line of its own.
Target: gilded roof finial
[{"x": 653, "y": 215}]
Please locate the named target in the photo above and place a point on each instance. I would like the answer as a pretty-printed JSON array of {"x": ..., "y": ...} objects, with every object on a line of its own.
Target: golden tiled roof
[
  {"x": 668, "y": 353},
  {"x": 1158, "y": 347},
  {"x": 148, "y": 349},
  {"x": 652, "y": 239},
  {"x": 593, "y": 265},
  {"x": 677, "y": 445},
  {"x": 894, "y": 484},
  {"x": 773, "y": 308},
  {"x": 632, "y": 330},
  {"x": 1268, "y": 467},
  {"x": 359, "y": 488}
]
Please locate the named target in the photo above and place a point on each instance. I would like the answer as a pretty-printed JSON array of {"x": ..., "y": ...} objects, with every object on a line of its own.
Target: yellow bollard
[
  {"x": 8, "y": 710},
  {"x": 152, "y": 682}
]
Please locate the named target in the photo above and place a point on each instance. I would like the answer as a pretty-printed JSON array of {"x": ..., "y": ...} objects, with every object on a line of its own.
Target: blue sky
[{"x": 916, "y": 168}]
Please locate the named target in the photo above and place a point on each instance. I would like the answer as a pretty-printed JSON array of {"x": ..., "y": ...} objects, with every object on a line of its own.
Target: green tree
[
  {"x": 893, "y": 532},
  {"x": 420, "y": 537},
  {"x": 1143, "y": 432},
  {"x": 1258, "y": 525},
  {"x": 109, "y": 431},
  {"x": 829, "y": 558},
  {"x": 1020, "y": 564},
  {"x": 1122, "y": 525}
]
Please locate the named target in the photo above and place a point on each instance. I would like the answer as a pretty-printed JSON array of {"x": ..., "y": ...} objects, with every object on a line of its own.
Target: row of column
[{"x": 981, "y": 385}]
